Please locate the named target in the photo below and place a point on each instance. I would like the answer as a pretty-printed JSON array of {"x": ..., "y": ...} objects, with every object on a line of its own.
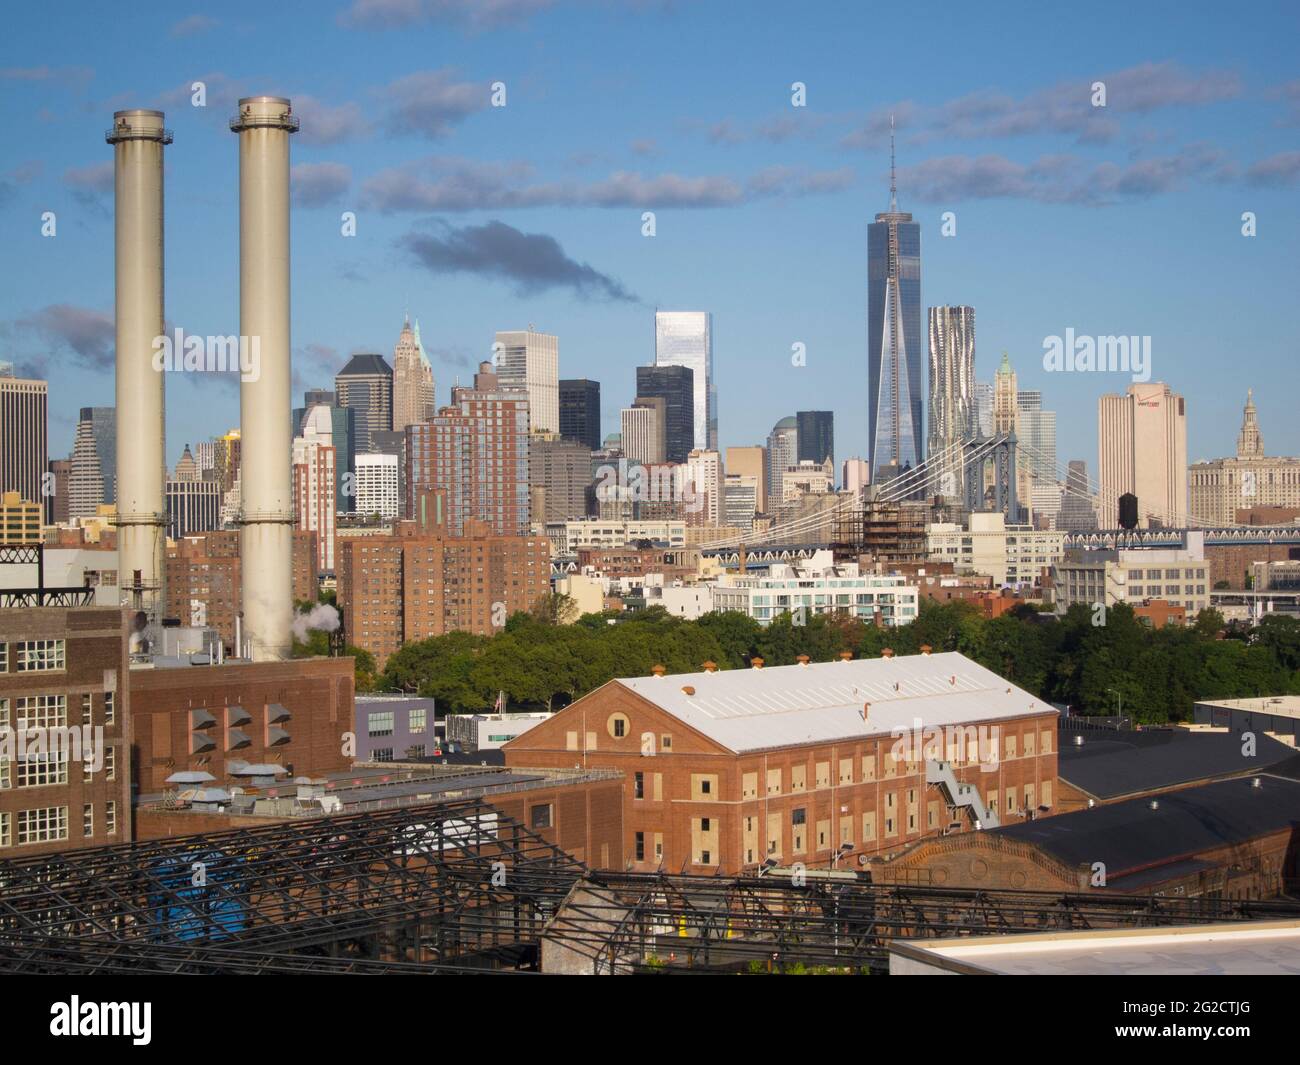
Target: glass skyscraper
[
  {"x": 894, "y": 360},
  {"x": 685, "y": 338}
]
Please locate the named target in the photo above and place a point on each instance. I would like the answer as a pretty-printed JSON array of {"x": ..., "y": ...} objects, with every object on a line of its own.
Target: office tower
[
  {"x": 226, "y": 453},
  {"x": 1036, "y": 437},
  {"x": 476, "y": 452},
  {"x": 895, "y": 388},
  {"x": 57, "y": 502},
  {"x": 94, "y": 462},
  {"x": 1005, "y": 395},
  {"x": 314, "y": 484},
  {"x": 984, "y": 409},
  {"x": 366, "y": 385},
  {"x": 560, "y": 474},
  {"x": 816, "y": 436},
  {"x": 644, "y": 431},
  {"x": 751, "y": 462},
  {"x": 740, "y": 500},
  {"x": 704, "y": 475},
  {"x": 1142, "y": 446},
  {"x": 205, "y": 454},
  {"x": 413, "y": 388},
  {"x": 344, "y": 422},
  {"x": 855, "y": 474},
  {"x": 685, "y": 338},
  {"x": 580, "y": 411},
  {"x": 530, "y": 360},
  {"x": 782, "y": 453},
  {"x": 1220, "y": 487},
  {"x": 193, "y": 506},
  {"x": 952, "y": 395},
  {"x": 675, "y": 385},
  {"x": 24, "y": 434},
  {"x": 378, "y": 485},
  {"x": 1077, "y": 513}
]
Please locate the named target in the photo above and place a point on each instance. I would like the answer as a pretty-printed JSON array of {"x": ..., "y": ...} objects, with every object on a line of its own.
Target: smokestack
[
  {"x": 138, "y": 138},
  {"x": 266, "y": 536}
]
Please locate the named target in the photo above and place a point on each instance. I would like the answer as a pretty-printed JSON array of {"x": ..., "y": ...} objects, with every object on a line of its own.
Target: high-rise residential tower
[
  {"x": 413, "y": 388},
  {"x": 1142, "y": 443},
  {"x": 895, "y": 387},
  {"x": 952, "y": 394},
  {"x": 580, "y": 411},
  {"x": 366, "y": 385},
  {"x": 685, "y": 338},
  {"x": 529, "y": 360},
  {"x": 314, "y": 483}
]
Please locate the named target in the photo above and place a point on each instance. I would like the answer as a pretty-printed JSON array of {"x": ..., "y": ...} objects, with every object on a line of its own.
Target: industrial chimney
[
  {"x": 138, "y": 138},
  {"x": 266, "y": 537}
]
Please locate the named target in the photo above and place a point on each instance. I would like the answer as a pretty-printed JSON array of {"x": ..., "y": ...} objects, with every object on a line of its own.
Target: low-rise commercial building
[
  {"x": 1014, "y": 555},
  {"x": 1178, "y": 575}
]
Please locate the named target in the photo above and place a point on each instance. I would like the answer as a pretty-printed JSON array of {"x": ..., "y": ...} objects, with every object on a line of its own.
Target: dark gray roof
[
  {"x": 366, "y": 364},
  {"x": 1111, "y": 765},
  {"x": 1130, "y": 837}
]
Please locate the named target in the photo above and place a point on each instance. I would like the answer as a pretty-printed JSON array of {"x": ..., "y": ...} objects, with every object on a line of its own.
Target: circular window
[
  {"x": 1018, "y": 879},
  {"x": 979, "y": 868},
  {"x": 618, "y": 726}
]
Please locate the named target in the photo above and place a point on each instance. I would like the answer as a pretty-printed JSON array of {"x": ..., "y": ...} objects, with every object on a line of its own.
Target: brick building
[
  {"x": 205, "y": 569},
  {"x": 61, "y": 672},
  {"x": 293, "y": 714},
  {"x": 675, "y": 563},
  {"x": 422, "y": 583},
  {"x": 1231, "y": 839},
  {"x": 726, "y": 771}
]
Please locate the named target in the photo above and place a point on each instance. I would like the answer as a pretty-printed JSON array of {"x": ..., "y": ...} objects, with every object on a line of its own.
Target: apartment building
[{"x": 1013, "y": 555}]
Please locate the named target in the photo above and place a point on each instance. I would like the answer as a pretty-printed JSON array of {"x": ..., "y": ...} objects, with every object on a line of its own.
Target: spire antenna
[{"x": 893, "y": 183}]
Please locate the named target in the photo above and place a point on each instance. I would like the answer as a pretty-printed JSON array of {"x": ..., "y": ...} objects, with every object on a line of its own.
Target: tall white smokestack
[
  {"x": 138, "y": 138},
  {"x": 266, "y": 539}
]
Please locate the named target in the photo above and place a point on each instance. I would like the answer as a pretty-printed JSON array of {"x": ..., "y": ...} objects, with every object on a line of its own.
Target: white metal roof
[{"x": 781, "y": 706}]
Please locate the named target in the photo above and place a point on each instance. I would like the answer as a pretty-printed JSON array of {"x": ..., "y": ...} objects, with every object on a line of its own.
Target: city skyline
[{"x": 716, "y": 198}]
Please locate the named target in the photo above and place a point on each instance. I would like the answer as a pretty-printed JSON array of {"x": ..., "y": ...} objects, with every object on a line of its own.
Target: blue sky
[{"x": 1117, "y": 220}]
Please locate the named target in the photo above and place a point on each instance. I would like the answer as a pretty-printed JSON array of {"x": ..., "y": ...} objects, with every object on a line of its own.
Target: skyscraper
[
  {"x": 1036, "y": 436},
  {"x": 675, "y": 385},
  {"x": 365, "y": 384},
  {"x": 344, "y": 422},
  {"x": 24, "y": 435},
  {"x": 643, "y": 430},
  {"x": 782, "y": 453},
  {"x": 894, "y": 417},
  {"x": 580, "y": 411},
  {"x": 1220, "y": 487},
  {"x": 93, "y": 479},
  {"x": 704, "y": 474},
  {"x": 531, "y": 361},
  {"x": 1077, "y": 513},
  {"x": 816, "y": 436},
  {"x": 750, "y": 462},
  {"x": 1142, "y": 444},
  {"x": 413, "y": 388},
  {"x": 952, "y": 394},
  {"x": 685, "y": 338},
  {"x": 314, "y": 483}
]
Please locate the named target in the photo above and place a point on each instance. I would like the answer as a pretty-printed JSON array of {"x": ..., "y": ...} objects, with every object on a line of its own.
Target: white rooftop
[
  {"x": 1246, "y": 948},
  {"x": 1277, "y": 705},
  {"x": 781, "y": 706}
]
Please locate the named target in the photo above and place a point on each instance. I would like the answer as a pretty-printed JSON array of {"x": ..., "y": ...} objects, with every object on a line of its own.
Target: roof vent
[
  {"x": 710, "y": 666},
  {"x": 895, "y": 685},
  {"x": 688, "y": 689},
  {"x": 926, "y": 648},
  {"x": 953, "y": 680},
  {"x": 756, "y": 662},
  {"x": 887, "y": 652},
  {"x": 658, "y": 670},
  {"x": 802, "y": 660},
  {"x": 846, "y": 656},
  {"x": 866, "y": 709}
]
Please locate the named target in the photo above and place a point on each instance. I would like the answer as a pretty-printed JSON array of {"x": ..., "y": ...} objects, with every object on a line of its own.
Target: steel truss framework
[
  {"x": 453, "y": 883},
  {"x": 636, "y": 922},
  {"x": 457, "y": 887}
]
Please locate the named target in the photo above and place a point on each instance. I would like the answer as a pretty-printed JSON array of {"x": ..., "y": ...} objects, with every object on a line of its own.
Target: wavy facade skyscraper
[
  {"x": 953, "y": 413},
  {"x": 895, "y": 387}
]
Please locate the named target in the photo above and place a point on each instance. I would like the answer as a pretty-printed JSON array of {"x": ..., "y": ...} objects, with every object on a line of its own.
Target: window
[
  {"x": 87, "y": 710},
  {"x": 382, "y": 754},
  {"x": 110, "y": 714},
  {"x": 110, "y": 762},
  {"x": 110, "y": 817},
  {"x": 706, "y": 786},
  {"x": 42, "y": 711},
  {"x": 640, "y": 846},
  {"x": 638, "y": 786},
  {"x": 43, "y": 825},
  {"x": 705, "y": 824},
  {"x": 665, "y": 742},
  {"x": 38, "y": 770},
  {"x": 380, "y": 723},
  {"x": 417, "y": 719},
  {"x": 4, "y": 658},
  {"x": 540, "y": 816},
  {"x": 88, "y": 820},
  {"x": 799, "y": 817},
  {"x": 617, "y": 726},
  {"x": 38, "y": 656},
  {"x": 5, "y": 840}
]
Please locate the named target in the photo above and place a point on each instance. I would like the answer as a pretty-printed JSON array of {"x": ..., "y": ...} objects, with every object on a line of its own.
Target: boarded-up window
[
  {"x": 704, "y": 787},
  {"x": 823, "y": 774},
  {"x": 798, "y": 778},
  {"x": 571, "y": 740},
  {"x": 749, "y": 786},
  {"x": 869, "y": 767},
  {"x": 868, "y": 827},
  {"x": 774, "y": 782},
  {"x": 846, "y": 770}
]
